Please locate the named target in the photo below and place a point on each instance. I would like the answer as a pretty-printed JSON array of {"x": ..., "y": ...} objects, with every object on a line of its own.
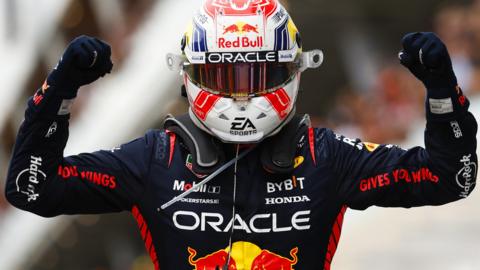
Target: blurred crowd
[
  {"x": 386, "y": 112},
  {"x": 383, "y": 113}
]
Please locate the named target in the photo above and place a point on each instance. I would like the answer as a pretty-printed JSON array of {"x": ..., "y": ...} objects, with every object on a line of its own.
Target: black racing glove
[
  {"x": 427, "y": 57},
  {"x": 84, "y": 61}
]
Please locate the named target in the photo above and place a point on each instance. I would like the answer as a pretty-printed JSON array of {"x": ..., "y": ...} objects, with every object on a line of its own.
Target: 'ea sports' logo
[
  {"x": 242, "y": 123},
  {"x": 242, "y": 126}
]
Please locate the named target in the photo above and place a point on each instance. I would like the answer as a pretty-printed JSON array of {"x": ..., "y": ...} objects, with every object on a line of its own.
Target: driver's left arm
[
  {"x": 444, "y": 171},
  {"x": 386, "y": 175}
]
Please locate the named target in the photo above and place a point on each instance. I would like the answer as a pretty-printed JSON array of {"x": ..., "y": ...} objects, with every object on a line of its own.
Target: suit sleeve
[
  {"x": 42, "y": 181},
  {"x": 386, "y": 175}
]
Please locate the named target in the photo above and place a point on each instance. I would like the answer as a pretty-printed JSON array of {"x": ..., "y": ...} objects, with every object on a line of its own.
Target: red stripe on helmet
[
  {"x": 204, "y": 103},
  {"x": 280, "y": 101}
]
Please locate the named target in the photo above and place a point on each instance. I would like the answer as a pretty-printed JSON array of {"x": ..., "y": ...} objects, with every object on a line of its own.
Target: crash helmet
[{"x": 241, "y": 63}]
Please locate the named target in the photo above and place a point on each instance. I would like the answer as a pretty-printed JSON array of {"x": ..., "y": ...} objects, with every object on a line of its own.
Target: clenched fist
[
  {"x": 426, "y": 56},
  {"x": 84, "y": 61}
]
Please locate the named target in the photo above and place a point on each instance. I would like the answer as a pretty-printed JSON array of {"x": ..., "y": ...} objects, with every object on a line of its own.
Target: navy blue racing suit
[{"x": 282, "y": 221}]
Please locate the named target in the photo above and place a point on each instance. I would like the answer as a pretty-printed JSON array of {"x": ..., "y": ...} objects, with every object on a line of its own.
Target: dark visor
[{"x": 241, "y": 79}]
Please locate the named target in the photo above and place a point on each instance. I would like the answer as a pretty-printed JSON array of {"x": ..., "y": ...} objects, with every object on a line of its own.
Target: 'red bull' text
[{"x": 240, "y": 42}]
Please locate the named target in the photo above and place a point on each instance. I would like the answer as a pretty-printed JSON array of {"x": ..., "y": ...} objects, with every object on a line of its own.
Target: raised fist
[
  {"x": 84, "y": 61},
  {"x": 426, "y": 56}
]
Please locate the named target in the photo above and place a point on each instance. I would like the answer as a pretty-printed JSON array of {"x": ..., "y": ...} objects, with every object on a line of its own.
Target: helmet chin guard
[
  {"x": 241, "y": 68},
  {"x": 246, "y": 140}
]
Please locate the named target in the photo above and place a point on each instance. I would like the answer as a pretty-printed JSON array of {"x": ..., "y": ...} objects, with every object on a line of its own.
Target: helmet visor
[{"x": 238, "y": 80}]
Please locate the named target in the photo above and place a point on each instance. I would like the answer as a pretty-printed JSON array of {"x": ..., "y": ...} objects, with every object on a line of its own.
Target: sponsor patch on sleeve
[
  {"x": 441, "y": 106},
  {"x": 65, "y": 107},
  {"x": 467, "y": 175},
  {"x": 28, "y": 181}
]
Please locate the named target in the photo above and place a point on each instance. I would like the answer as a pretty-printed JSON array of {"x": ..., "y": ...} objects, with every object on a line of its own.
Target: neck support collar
[{"x": 277, "y": 152}]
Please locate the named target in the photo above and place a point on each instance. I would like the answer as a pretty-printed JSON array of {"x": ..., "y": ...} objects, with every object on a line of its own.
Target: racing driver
[{"x": 241, "y": 181}]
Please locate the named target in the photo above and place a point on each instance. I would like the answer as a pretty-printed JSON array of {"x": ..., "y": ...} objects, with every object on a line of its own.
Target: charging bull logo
[
  {"x": 240, "y": 7},
  {"x": 243, "y": 256},
  {"x": 270, "y": 261},
  {"x": 231, "y": 29},
  {"x": 213, "y": 261},
  {"x": 240, "y": 28},
  {"x": 249, "y": 28}
]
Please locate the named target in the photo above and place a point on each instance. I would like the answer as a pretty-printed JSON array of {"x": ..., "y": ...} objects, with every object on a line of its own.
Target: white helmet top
[{"x": 241, "y": 63}]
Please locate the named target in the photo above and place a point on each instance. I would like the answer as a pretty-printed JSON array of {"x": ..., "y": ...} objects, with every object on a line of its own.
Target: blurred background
[{"x": 360, "y": 91}]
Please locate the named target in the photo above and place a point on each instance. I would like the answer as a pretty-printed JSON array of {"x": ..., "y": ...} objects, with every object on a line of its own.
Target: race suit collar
[{"x": 277, "y": 152}]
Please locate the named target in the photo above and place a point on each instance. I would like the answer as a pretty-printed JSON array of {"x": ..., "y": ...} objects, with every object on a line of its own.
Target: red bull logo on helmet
[
  {"x": 240, "y": 42},
  {"x": 240, "y": 28},
  {"x": 240, "y": 35},
  {"x": 243, "y": 256},
  {"x": 231, "y": 29}
]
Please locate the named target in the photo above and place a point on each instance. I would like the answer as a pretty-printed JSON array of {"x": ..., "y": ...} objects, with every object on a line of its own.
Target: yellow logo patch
[
  {"x": 298, "y": 161},
  {"x": 371, "y": 146}
]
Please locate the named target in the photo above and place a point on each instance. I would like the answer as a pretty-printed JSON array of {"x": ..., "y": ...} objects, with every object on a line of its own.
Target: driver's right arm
[{"x": 40, "y": 180}]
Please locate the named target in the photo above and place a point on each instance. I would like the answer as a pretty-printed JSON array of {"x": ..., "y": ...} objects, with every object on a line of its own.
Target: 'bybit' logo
[{"x": 286, "y": 185}]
